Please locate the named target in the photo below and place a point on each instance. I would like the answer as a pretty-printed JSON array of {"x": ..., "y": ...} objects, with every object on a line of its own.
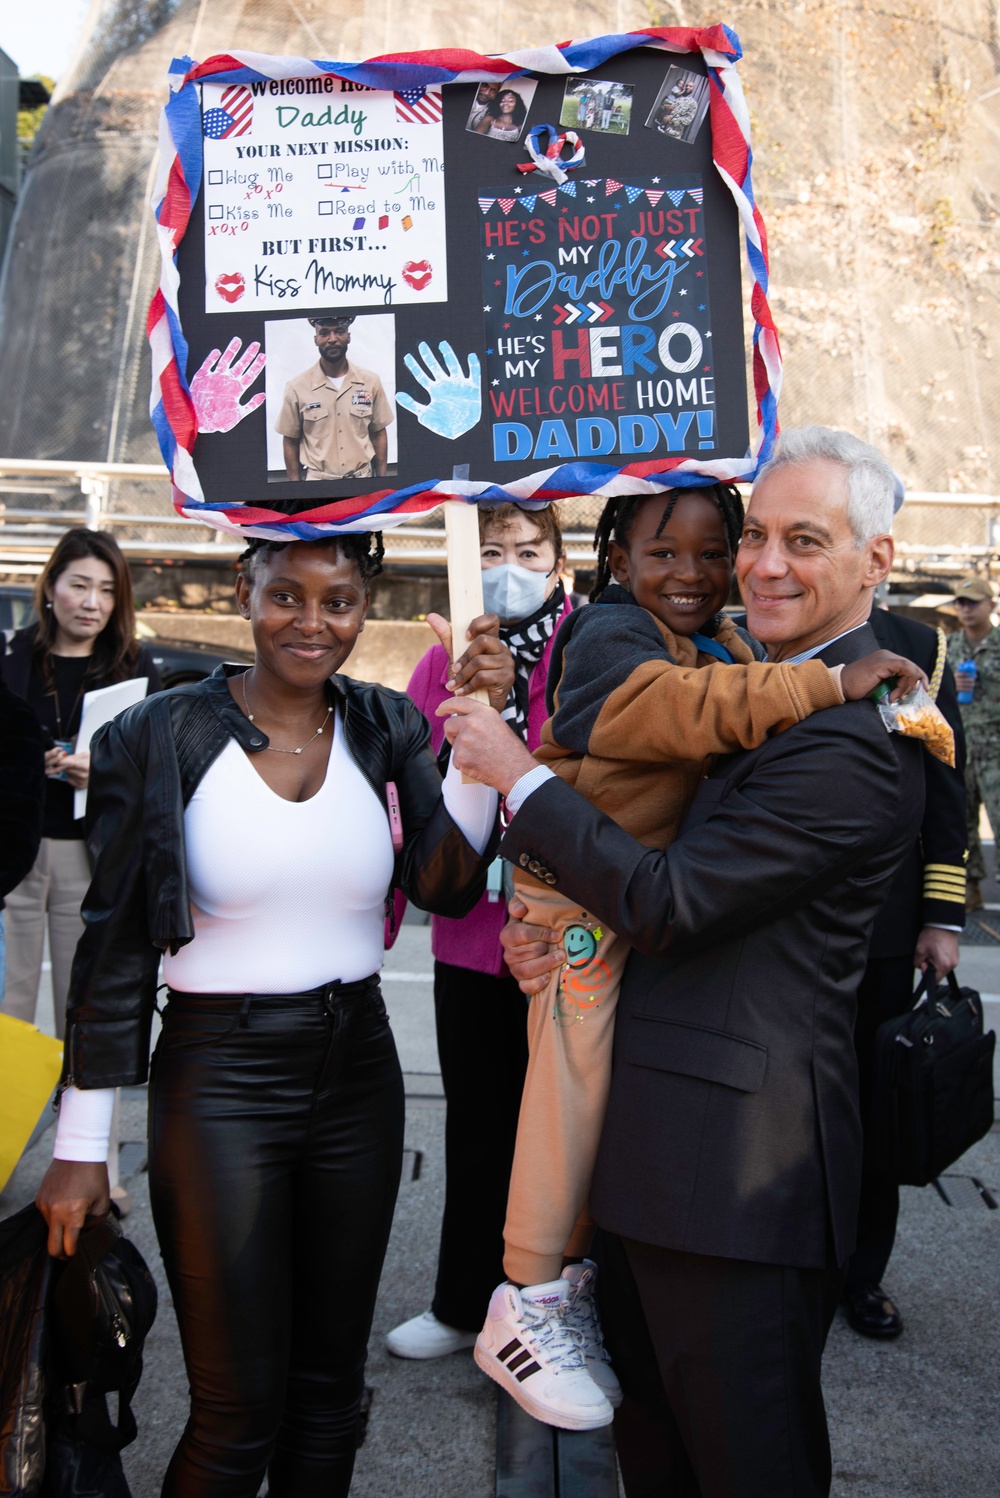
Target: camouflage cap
[{"x": 975, "y": 589}]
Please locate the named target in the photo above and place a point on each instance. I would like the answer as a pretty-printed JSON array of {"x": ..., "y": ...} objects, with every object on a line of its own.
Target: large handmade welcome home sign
[{"x": 442, "y": 275}]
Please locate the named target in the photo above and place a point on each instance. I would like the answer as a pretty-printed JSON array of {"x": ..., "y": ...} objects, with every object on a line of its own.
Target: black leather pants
[{"x": 276, "y": 1135}]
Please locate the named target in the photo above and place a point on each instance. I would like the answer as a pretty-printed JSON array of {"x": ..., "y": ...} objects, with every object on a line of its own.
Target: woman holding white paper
[{"x": 84, "y": 639}]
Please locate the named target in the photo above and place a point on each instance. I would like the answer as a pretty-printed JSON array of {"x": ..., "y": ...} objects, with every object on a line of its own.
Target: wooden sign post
[{"x": 465, "y": 578}]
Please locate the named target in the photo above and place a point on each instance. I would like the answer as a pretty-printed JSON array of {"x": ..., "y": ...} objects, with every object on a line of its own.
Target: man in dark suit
[
  {"x": 918, "y": 925},
  {"x": 730, "y": 1163}
]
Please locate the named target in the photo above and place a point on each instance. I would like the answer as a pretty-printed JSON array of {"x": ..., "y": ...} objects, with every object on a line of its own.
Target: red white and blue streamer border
[{"x": 178, "y": 183}]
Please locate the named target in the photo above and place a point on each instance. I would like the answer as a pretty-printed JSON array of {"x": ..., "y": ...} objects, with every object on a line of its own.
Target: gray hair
[{"x": 871, "y": 481}]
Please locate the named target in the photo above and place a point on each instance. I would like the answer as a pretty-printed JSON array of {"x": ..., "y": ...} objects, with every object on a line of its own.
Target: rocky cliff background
[{"x": 877, "y": 166}]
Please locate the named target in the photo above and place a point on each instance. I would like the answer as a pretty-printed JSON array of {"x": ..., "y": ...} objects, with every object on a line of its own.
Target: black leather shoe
[{"x": 870, "y": 1311}]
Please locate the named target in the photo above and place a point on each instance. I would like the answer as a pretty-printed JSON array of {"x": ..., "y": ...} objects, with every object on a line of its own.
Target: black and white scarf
[{"x": 526, "y": 640}]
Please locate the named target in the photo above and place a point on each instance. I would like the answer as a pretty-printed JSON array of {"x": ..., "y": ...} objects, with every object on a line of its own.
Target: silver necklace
[{"x": 273, "y": 747}]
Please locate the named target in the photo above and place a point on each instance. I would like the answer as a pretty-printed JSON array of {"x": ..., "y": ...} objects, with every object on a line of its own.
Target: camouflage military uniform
[{"x": 981, "y": 719}]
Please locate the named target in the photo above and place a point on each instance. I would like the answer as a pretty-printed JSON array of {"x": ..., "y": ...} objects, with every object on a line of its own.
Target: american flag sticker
[
  {"x": 233, "y": 116},
  {"x": 418, "y": 106}
]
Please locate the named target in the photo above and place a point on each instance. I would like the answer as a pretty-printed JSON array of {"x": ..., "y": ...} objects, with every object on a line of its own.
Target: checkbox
[
  {"x": 325, "y": 171},
  {"x": 215, "y": 179},
  {"x": 326, "y": 206},
  {"x": 216, "y": 210}
]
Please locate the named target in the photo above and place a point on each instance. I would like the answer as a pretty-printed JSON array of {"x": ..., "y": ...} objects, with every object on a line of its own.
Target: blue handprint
[{"x": 456, "y": 401}]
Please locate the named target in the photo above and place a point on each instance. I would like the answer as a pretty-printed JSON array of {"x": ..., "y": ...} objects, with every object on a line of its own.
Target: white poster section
[{"x": 321, "y": 193}]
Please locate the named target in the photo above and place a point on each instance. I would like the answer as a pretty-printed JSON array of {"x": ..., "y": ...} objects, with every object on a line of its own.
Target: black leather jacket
[{"x": 144, "y": 768}]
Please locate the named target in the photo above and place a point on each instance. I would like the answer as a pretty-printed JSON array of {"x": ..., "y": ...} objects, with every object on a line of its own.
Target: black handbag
[
  {"x": 933, "y": 1082},
  {"x": 102, "y": 1304},
  {"x": 70, "y": 1333},
  {"x": 25, "y": 1277}
]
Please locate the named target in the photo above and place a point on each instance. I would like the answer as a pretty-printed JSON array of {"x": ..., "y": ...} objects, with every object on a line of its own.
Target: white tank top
[{"x": 285, "y": 895}]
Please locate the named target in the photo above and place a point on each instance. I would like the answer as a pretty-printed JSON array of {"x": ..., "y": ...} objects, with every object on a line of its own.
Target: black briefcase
[{"x": 933, "y": 1082}]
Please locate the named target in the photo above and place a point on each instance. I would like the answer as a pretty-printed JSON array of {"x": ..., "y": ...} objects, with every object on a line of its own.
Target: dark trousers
[
  {"x": 720, "y": 1363},
  {"x": 274, "y": 1159},
  {"x": 886, "y": 991},
  {"x": 482, "y": 1036}
]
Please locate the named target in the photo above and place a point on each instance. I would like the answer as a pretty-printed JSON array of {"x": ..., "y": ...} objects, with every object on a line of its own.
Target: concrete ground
[{"x": 916, "y": 1417}]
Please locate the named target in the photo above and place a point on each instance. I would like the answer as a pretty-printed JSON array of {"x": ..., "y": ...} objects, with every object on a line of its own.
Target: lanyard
[
  {"x": 712, "y": 647},
  {"x": 72, "y": 711}
]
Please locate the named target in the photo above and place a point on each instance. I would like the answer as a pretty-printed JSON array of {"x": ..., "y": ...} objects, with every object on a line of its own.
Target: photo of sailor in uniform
[{"x": 334, "y": 416}]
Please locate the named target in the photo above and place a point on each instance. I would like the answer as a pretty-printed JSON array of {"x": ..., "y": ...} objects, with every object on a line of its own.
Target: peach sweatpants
[{"x": 570, "y": 1036}]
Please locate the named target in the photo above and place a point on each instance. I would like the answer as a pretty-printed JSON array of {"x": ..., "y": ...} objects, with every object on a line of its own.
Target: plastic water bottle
[{"x": 967, "y": 693}]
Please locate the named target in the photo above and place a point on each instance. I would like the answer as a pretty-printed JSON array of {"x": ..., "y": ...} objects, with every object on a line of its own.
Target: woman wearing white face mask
[{"x": 479, "y": 1009}]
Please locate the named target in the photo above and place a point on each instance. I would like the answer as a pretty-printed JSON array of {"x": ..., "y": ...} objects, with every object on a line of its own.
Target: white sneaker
[
  {"x": 427, "y": 1337},
  {"x": 121, "y": 1199},
  {"x": 529, "y": 1348},
  {"x": 583, "y": 1317}
]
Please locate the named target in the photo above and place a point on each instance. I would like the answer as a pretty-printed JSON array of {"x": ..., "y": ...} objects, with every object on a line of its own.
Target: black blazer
[
  {"x": 929, "y": 889},
  {"x": 22, "y": 789},
  {"x": 732, "y": 1126}
]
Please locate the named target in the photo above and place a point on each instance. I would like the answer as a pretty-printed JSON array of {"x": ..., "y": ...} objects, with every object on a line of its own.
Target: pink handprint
[{"x": 219, "y": 383}]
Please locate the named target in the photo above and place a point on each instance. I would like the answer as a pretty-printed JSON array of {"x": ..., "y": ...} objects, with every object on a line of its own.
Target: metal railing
[{"x": 937, "y": 534}]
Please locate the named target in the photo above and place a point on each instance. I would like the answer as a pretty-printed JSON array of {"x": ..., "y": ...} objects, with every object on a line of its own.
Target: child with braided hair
[{"x": 646, "y": 685}]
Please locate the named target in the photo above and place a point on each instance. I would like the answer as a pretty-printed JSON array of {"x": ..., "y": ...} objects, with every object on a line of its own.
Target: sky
[{"x": 40, "y": 36}]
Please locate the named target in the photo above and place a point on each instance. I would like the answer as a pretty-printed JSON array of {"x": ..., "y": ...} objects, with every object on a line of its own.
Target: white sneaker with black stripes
[
  {"x": 531, "y": 1349},
  {"x": 582, "y": 1315}
]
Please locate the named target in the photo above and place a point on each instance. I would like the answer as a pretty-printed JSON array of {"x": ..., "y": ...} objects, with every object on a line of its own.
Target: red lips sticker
[
  {"x": 417, "y": 273},
  {"x": 230, "y": 286}
]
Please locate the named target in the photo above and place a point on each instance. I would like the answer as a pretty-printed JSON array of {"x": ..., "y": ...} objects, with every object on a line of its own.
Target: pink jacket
[{"x": 474, "y": 941}]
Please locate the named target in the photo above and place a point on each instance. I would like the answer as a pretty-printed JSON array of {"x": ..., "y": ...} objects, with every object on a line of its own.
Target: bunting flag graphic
[
  {"x": 654, "y": 194},
  {"x": 415, "y": 79},
  {"x": 611, "y": 186},
  {"x": 549, "y": 196},
  {"x": 569, "y": 188},
  {"x": 486, "y": 204},
  {"x": 506, "y": 204},
  {"x": 675, "y": 197},
  {"x": 698, "y": 193},
  {"x": 633, "y": 193},
  {"x": 529, "y": 201}
]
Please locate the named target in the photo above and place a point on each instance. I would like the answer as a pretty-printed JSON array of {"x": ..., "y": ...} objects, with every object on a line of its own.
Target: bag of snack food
[{"x": 919, "y": 717}]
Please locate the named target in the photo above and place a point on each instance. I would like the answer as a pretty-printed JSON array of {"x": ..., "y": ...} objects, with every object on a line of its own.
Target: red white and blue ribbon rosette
[
  {"x": 177, "y": 187},
  {"x": 548, "y": 158}
]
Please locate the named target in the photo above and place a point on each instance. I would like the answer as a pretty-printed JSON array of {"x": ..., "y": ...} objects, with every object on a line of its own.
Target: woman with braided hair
[{"x": 250, "y": 829}]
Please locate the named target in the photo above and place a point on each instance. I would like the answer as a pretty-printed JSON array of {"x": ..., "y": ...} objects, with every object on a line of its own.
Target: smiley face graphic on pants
[{"x": 580, "y": 944}]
